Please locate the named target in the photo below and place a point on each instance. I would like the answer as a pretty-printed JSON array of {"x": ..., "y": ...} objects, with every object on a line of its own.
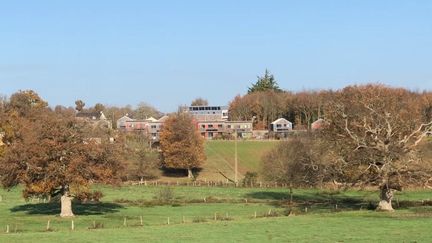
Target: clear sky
[{"x": 166, "y": 53}]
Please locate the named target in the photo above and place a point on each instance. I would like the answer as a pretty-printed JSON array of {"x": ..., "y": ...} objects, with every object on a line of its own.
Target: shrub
[
  {"x": 199, "y": 220},
  {"x": 165, "y": 195},
  {"x": 86, "y": 196},
  {"x": 250, "y": 178}
]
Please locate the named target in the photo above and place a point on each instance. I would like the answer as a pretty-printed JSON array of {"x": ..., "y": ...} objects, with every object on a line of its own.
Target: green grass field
[
  {"x": 235, "y": 216},
  {"x": 220, "y": 156}
]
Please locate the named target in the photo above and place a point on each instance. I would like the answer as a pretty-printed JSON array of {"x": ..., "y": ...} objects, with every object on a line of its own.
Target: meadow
[
  {"x": 213, "y": 214},
  {"x": 220, "y": 157}
]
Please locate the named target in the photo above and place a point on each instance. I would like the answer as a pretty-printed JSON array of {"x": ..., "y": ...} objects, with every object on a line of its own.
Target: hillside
[{"x": 220, "y": 157}]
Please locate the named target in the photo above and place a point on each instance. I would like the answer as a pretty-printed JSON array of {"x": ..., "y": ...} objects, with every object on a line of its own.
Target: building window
[
  {"x": 229, "y": 126},
  {"x": 278, "y": 125},
  {"x": 219, "y": 125},
  {"x": 210, "y": 125},
  {"x": 202, "y": 126},
  {"x": 153, "y": 126}
]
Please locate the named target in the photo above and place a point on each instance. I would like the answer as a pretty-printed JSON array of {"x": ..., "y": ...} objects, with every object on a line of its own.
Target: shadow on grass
[
  {"x": 320, "y": 199},
  {"x": 78, "y": 208}
]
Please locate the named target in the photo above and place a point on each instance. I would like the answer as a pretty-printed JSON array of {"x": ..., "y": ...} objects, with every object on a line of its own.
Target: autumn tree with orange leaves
[
  {"x": 50, "y": 154},
  {"x": 181, "y": 144}
]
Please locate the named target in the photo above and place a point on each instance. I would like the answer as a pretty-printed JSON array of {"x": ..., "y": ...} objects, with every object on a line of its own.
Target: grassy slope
[
  {"x": 408, "y": 224},
  {"x": 220, "y": 156}
]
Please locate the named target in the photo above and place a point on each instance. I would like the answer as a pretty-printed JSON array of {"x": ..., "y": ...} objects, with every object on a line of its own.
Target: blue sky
[{"x": 166, "y": 53}]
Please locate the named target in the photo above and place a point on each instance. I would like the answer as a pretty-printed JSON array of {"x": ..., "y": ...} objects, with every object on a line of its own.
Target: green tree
[
  {"x": 181, "y": 144},
  {"x": 265, "y": 83}
]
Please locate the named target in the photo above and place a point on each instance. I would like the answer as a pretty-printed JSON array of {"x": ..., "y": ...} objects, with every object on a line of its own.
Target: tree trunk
[
  {"x": 291, "y": 193},
  {"x": 386, "y": 197},
  {"x": 190, "y": 175},
  {"x": 66, "y": 206}
]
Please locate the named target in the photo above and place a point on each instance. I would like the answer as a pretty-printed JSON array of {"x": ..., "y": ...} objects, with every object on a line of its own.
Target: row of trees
[
  {"x": 373, "y": 136},
  {"x": 266, "y": 102}
]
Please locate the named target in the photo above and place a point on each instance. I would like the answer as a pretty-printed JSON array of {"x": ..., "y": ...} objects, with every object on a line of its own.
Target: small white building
[{"x": 281, "y": 125}]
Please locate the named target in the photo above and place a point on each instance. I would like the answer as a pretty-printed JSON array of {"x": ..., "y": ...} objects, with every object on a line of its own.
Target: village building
[
  {"x": 281, "y": 127},
  {"x": 318, "y": 124},
  {"x": 208, "y": 113},
  {"x": 95, "y": 118},
  {"x": 225, "y": 129}
]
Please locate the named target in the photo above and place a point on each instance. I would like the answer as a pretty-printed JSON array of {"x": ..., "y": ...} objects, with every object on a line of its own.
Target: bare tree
[
  {"x": 199, "y": 102},
  {"x": 375, "y": 131}
]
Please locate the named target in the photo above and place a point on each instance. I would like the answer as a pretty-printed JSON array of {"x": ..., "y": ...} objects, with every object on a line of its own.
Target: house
[
  {"x": 281, "y": 127},
  {"x": 150, "y": 126},
  {"x": 224, "y": 129},
  {"x": 95, "y": 118},
  {"x": 208, "y": 113},
  {"x": 318, "y": 124},
  {"x": 121, "y": 123}
]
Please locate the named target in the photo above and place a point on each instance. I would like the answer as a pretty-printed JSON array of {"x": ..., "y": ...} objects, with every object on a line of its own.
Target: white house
[{"x": 281, "y": 125}]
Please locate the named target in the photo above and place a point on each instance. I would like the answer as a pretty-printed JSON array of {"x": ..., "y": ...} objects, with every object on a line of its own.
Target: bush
[
  {"x": 94, "y": 196},
  {"x": 250, "y": 179},
  {"x": 199, "y": 220},
  {"x": 165, "y": 195},
  {"x": 96, "y": 225}
]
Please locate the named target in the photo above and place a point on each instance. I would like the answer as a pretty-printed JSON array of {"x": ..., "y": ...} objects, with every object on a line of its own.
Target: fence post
[
  {"x": 141, "y": 221},
  {"x": 183, "y": 220},
  {"x": 168, "y": 221},
  {"x": 7, "y": 229},
  {"x": 48, "y": 225},
  {"x": 72, "y": 225},
  {"x": 124, "y": 222}
]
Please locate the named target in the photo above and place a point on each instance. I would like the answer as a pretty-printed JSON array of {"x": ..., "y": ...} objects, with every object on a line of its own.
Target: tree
[
  {"x": 181, "y": 144},
  {"x": 199, "y": 102},
  {"x": 79, "y": 105},
  {"x": 24, "y": 103},
  {"x": 99, "y": 107},
  {"x": 265, "y": 83},
  {"x": 143, "y": 161},
  {"x": 299, "y": 161},
  {"x": 50, "y": 154},
  {"x": 375, "y": 131},
  {"x": 144, "y": 111}
]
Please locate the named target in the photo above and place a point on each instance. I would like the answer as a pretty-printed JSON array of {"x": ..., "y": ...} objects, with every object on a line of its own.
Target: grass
[
  {"x": 220, "y": 156},
  {"x": 235, "y": 217}
]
